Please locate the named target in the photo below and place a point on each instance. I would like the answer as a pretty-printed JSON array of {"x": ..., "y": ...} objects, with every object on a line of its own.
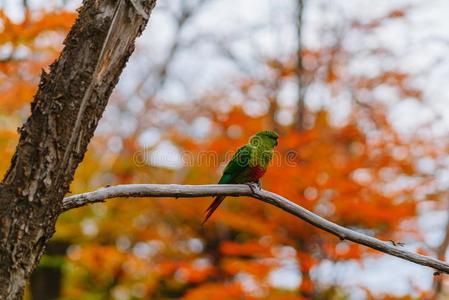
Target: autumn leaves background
[{"x": 350, "y": 161}]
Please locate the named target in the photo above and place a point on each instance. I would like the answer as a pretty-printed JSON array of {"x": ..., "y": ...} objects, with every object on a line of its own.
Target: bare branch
[{"x": 190, "y": 191}]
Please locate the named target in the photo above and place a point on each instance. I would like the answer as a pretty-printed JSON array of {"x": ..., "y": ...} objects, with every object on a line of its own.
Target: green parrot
[{"x": 248, "y": 164}]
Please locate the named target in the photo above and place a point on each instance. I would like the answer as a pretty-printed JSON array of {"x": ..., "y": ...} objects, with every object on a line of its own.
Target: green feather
[{"x": 237, "y": 164}]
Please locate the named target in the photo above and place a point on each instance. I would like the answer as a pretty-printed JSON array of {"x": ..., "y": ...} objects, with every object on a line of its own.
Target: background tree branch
[{"x": 189, "y": 191}]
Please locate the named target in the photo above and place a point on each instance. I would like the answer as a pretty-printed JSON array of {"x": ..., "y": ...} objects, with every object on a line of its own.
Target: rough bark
[{"x": 64, "y": 114}]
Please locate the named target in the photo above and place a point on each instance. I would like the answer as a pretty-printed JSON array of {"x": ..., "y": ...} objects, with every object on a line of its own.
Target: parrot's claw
[
  {"x": 396, "y": 244},
  {"x": 254, "y": 186}
]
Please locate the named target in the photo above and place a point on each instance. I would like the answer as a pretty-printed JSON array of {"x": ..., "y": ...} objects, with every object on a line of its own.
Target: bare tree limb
[{"x": 190, "y": 191}]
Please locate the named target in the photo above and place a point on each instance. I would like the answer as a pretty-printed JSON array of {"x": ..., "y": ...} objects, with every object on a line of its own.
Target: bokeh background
[{"x": 358, "y": 92}]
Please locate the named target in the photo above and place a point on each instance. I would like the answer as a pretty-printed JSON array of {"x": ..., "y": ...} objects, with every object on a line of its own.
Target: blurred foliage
[{"x": 361, "y": 174}]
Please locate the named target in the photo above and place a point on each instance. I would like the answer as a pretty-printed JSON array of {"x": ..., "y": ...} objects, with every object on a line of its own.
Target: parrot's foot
[
  {"x": 255, "y": 187},
  {"x": 396, "y": 244}
]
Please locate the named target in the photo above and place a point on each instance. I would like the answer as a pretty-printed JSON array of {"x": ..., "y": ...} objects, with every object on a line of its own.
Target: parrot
[{"x": 248, "y": 164}]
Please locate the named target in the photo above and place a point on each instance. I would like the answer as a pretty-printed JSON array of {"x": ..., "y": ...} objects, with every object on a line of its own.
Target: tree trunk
[
  {"x": 300, "y": 110},
  {"x": 438, "y": 287},
  {"x": 64, "y": 114}
]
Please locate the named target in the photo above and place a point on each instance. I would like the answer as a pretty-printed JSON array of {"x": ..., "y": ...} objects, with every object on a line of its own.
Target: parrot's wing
[{"x": 237, "y": 164}]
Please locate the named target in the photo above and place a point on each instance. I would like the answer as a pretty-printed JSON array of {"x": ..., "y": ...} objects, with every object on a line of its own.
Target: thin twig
[{"x": 190, "y": 191}]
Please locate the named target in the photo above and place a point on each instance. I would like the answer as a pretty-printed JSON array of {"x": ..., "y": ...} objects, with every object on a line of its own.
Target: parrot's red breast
[{"x": 256, "y": 172}]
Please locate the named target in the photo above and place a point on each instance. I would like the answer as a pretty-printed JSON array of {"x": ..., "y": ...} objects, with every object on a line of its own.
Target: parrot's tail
[{"x": 212, "y": 207}]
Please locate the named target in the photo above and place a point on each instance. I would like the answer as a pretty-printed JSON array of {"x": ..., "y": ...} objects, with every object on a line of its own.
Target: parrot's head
[{"x": 266, "y": 138}]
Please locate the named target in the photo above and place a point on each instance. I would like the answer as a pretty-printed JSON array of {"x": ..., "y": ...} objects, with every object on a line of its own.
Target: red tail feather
[{"x": 212, "y": 207}]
